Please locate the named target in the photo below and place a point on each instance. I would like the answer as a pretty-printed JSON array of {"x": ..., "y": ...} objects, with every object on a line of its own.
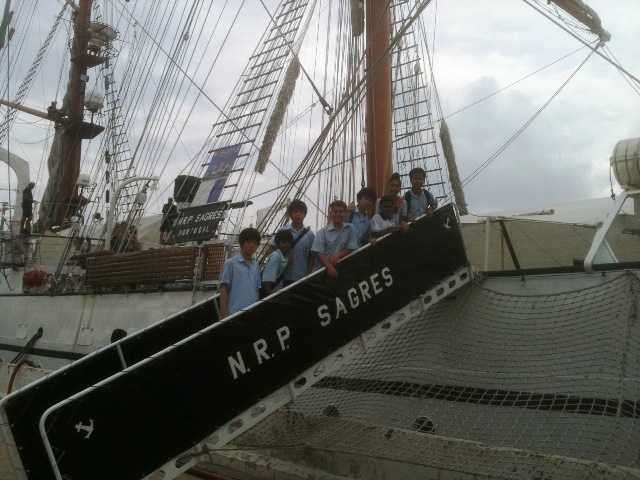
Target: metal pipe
[{"x": 114, "y": 200}]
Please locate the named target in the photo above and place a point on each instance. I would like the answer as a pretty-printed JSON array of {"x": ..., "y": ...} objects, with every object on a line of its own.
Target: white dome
[
  {"x": 84, "y": 180},
  {"x": 625, "y": 163},
  {"x": 141, "y": 198},
  {"x": 93, "y": 101}
]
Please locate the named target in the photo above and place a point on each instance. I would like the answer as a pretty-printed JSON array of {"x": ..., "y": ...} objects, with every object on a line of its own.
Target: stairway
[{"x": 190, "y": 384}]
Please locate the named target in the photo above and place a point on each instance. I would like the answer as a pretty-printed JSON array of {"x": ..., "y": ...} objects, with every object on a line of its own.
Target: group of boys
[{"x": 295, "y": 251}]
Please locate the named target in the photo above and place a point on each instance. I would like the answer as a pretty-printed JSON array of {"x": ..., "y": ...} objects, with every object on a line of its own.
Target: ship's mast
[
  {"x": 379, "y": 105},
  {"x": 74, "y": 108},
  {"x": 61, "y": 200}
]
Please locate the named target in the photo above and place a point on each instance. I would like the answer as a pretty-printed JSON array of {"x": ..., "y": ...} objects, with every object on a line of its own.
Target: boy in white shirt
[
  {"x": 277, "y": 262},
  {"x": 300, "y": 258},
  {"x": 240, "y": 279},
  {"x": 382, "y": 223},
  {"x": 335, "y": 241}
]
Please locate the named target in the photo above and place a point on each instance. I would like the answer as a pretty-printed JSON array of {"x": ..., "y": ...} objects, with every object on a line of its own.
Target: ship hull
[{"x": 77, "y": 324}]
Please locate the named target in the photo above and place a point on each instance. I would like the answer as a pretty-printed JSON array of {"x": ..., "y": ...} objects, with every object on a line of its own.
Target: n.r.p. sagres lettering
[
  {"x": 355, "y": 297},
  {"x": 260, "y": 346}
]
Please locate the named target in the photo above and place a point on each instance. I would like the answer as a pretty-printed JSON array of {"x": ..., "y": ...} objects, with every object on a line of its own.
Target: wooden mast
[
  {"x": 61, "y": 199},
  {"x": 73, "y": 107},
  {"x": 378, "y": 121}
]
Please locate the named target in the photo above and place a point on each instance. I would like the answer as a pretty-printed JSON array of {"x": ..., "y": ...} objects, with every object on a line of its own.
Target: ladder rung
[
  {"x": 410, "y": 47},
  {"x": 414, "y": 160},
  {"x": 283, "y": 24},
  {"x": 283, "y": 14},
  {"x": 258, "y": 65},
  {"x": 405, "y": 78},
  {"x": 264, "y": 74},
  {"x": 248, "y": 102},
  {"x": 238, "y": 130},
  {"x": 404, "y": 106},
  {"x": 411, "y": 119},
  {"x": 242, "y": 143},
  {"x": 269, "y": 50},
  {"x": 257, "y": 88},
  {"x": 280, "y": 35},
  {"x": 231, "y": 120},
  {"x": 408, "y": 91},
  {"x": 416, "y": 146},
  {"x": 404, "y": 135},
  {"x": 404, "y": 63}
]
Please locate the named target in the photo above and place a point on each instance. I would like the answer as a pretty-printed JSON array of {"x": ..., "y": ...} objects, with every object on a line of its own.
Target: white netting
[{"x": 488, "y": 383}]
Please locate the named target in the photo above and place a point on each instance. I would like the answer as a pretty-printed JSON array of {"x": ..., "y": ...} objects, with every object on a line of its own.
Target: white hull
[{"x": 75, "y": 325}]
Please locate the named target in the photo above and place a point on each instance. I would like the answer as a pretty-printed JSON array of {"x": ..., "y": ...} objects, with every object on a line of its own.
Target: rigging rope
[
  {"x": 527, "y": 123},
  {"x": 508, "y": 86},
  {"x": 348, "y": 104}
]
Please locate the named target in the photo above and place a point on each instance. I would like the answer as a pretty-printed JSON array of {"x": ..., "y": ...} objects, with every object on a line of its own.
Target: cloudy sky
[
  {"x": 480, "y": 49},
  {"x": 564, "y": 154}
]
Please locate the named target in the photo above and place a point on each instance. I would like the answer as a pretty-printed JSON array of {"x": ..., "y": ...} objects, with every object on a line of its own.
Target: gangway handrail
[{"x": 282, "y": 396}]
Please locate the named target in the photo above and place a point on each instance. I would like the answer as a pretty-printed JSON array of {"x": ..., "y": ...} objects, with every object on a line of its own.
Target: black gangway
[{"x": 189, "y": 375}]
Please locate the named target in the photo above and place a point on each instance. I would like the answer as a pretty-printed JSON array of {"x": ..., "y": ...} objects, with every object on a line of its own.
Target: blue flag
[{"x": 219, "y": 168}]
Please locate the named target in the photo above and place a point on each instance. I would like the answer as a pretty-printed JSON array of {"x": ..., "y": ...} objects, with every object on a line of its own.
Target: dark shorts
[
  {"x": 165, "y": 226},
  {"x": 27, "y": 209}
]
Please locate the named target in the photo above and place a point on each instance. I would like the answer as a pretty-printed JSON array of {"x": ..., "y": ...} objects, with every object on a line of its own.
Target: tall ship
[{"x": 502, "y": 345}]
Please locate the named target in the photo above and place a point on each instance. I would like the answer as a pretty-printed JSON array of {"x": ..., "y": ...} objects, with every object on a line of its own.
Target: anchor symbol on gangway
[
  {"x": 86, "y": 428},
  {"x": 446, "y": 224}
]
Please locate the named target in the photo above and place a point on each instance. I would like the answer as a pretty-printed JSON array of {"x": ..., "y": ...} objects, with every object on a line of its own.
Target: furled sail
[
  {"x": 275, "y": 122},
  {"x": 454, "y": 177}
]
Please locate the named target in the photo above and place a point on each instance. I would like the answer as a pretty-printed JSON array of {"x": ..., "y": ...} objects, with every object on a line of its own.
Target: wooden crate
[{"x": 157, "y": 266}]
